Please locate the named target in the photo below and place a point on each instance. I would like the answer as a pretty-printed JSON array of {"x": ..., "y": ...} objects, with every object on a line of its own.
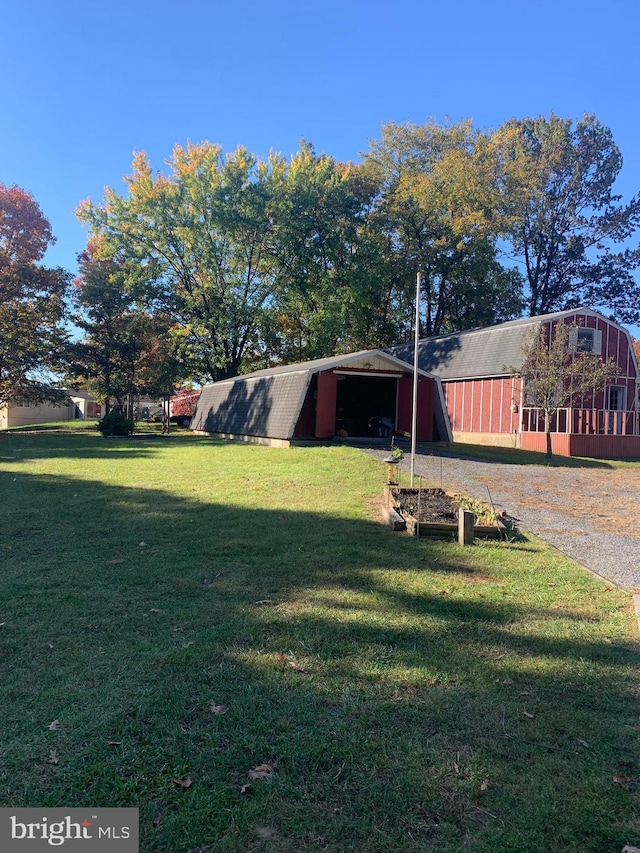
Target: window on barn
[{"x": 585, "y": 340}]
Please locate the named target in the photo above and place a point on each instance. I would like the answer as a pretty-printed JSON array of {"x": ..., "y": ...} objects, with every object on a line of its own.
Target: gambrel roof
[
  {"x": 492, "y": 351},
  {"x": 268, "y": 402}
]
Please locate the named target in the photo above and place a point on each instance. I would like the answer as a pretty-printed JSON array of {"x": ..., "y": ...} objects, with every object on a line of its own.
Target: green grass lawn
[{"x": 184, "y": 609}]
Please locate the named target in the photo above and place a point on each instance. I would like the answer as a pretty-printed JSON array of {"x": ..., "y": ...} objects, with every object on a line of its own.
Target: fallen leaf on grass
[
  {"x": 157, "y": 820},
  {"x": 263, "y": 601},
  {"x": 183, "y": 783},
  {"x": 265, "y": 832},
  {"x": 155, "y": 610},
  {"x": 54, "y": 726},
  {"x": 218, "y": 709},
  {"x": 282, "y": 658},
  {"x": 246, "y": 789},
  {"x": 528, "y": 715},
  {"x": 53, "y": 757},
  {"x": 142, "y": 544},
  {"x": 262, "y": 771},
  {"x": 583, "y": 743},
  {"x": 629, "y": 849},
  {"x": 484, "y": 785},
  {"x": 622, "y": 780},
  {"x": 114, "y": 742}
]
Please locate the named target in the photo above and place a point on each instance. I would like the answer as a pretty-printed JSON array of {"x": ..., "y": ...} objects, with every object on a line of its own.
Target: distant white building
[{"x": 79, "y": 405}]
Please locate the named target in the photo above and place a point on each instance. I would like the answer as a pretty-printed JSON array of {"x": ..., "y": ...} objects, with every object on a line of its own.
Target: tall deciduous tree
[
  {"x": 200, "y": 231},
  {"x": 125, "y": 349},
  {"x": 436, "y": 206},
  {"x": 330, "y": 293},
  {"x": 32, "y": 301},
  {"x": 554, "y": 374},
  {"x": 562, "y": 217}
]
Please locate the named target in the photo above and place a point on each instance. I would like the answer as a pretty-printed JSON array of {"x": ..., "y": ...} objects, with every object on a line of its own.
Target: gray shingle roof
[
  {"x": 261, "y": 406},
  {"x": 493, "y": 351},
  {"x": 317, "y": 365}
]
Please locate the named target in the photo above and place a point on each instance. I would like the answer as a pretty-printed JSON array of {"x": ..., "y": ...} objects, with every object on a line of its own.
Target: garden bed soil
[{"x": 434, "y": 505}]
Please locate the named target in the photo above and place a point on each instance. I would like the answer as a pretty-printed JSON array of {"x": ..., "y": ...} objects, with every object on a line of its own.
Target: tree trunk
[
  {"x": 547, "y": 429},
  {"x": 166, "y": 415}
]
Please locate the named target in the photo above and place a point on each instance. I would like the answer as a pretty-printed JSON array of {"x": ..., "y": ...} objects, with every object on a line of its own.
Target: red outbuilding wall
[
  {"x": 326, "y": 405},
  {"x": 426, "y": 388}
]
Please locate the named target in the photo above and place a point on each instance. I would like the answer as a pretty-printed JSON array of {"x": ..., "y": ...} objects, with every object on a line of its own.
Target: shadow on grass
[
  {"x": 383, "y": 695},
  {"x": 19, "y": 446},
  {"x": 512, "y": 456}
]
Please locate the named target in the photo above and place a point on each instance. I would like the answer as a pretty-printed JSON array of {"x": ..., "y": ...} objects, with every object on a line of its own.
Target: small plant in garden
[
  {"x": 397, "y": 453},
  {"x": 483, "y": 513}
]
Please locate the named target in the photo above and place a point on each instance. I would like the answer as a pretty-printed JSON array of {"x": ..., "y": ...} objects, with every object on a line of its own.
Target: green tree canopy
[
  {"x": 32, "y": 301},
  {"x": 436, "y": 208},
  {"x": 562, "y": 218},
  {"x": 200, "y": 234},
  {"x": 125, "y": 349}
]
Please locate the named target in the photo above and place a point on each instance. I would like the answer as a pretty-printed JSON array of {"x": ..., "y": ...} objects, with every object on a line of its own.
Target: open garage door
[{"x": 366, "y": 406}]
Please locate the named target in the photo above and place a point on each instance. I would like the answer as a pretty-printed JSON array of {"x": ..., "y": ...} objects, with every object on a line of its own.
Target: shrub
[{"x": 115, "y": 423}]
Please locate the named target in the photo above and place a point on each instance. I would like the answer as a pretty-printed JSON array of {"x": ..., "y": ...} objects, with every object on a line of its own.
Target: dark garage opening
[{"x": 366, "y": 405}]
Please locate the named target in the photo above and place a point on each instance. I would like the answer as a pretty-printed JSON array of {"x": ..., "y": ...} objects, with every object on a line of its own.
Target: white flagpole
[{"x": 414, "y": 413}]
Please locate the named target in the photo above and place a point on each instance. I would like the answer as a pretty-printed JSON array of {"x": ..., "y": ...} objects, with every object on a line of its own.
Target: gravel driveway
[{"x": 590, "y": 514}]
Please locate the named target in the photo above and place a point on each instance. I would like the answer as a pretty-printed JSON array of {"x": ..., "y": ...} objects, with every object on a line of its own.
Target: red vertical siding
[
  {"x": 482, "y": 405},
  {"x": 326, "y": 405},
  {"x": 426, "y": 390},
  {"x": 615, "y": 345},
  {"x": 590, "y": 446},
  {"x": 560, "y": 442},
  {"x": 425, "y": 409}
]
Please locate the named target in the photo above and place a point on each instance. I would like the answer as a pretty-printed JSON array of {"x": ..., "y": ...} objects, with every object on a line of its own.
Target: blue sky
[{"x": 83, "y": 84}]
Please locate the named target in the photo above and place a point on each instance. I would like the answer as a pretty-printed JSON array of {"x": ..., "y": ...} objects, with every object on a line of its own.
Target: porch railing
[{"x": 582, "y": 421}]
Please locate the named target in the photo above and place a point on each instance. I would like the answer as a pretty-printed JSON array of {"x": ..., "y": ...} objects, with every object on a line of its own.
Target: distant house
[
  {"x": 83, "y": 405},
  {"x": 77, "y": 405},
  {"x": 487, "y": 403},
  {"x": 364, "y": 394}
]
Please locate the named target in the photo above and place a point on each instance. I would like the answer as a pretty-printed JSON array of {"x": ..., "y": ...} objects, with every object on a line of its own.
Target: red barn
[{"x": 487, "y": 403}]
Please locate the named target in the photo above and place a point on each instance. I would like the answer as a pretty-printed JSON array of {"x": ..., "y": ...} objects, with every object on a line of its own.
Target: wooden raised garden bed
[{"x": 434, "y": 513}]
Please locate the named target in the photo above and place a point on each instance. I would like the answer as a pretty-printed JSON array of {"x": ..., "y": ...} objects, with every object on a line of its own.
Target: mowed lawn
[{"x": 175, "y": 613}]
